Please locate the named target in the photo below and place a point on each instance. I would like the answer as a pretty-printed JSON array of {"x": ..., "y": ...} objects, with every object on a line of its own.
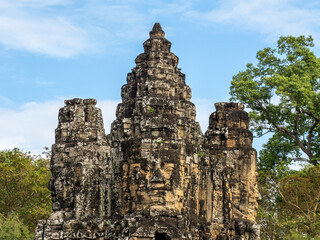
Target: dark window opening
[{"x": 162, "y": 236}]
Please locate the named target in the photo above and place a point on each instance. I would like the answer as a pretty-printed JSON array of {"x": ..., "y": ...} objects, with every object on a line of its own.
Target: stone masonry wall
[{"x": 155, "y": 176}]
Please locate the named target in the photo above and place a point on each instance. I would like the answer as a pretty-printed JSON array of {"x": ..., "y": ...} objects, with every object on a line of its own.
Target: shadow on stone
[{"x": 161, "y": 236}]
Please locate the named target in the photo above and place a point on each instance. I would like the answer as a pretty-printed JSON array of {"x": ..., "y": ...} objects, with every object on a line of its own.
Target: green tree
[
  {"x": 283, "y": 93},
  {"x": 11, "y": 228},
  {"x": 24, "y": 187},
  {"x": 300, "y": 193},
  {"x": 267, "y": 215},
  {"x": 289, "y": 208}
]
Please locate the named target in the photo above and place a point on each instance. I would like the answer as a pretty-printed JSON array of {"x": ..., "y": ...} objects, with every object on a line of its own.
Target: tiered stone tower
[
  {"x": 78, "y": 174},
  {"x": 155, "y": 176}
]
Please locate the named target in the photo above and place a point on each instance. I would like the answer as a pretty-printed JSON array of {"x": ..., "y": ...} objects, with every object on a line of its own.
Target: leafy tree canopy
[
  {"x": 24, "y": 187},
  {"x": 289, "y": 207},
  {"x": 11, "y": 228},
  {"x": 283, "y": 92},
  {"x": 300, "y": 204}
]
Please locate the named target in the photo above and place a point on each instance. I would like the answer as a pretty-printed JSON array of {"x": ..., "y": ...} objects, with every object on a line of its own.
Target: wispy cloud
[
  {"x": 6, "y": 101},
  {"x": 32, "y": 126},
  {"x": 67, "y": 28},
  {"x": 32, "y": 3},
  {"x": 56, "y": 36},
  {"x": 45, "y": 83},
  {"x": 47, "y": 27},
  {"x": 271, "y": 18},
  {"x": 37, "y": 26}
]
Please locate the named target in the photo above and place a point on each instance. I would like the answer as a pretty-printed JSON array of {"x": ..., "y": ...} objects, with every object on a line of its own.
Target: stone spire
[
  {"x": 155, "y": 139},
  {"x": 234, "y": 172},
  {"x": 156, "y": 31},
  {"x": 78, "y": 175}
]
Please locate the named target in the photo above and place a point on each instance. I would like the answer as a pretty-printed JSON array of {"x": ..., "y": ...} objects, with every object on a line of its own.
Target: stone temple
[{"x": 156, "y": 175}]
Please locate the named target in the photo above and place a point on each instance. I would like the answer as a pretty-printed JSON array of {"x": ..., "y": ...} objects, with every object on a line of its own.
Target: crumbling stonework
[{"x": 155, "y": 176}]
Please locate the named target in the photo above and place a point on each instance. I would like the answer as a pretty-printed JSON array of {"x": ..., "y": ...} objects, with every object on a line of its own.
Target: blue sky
[{"x": 51, "y": 50}]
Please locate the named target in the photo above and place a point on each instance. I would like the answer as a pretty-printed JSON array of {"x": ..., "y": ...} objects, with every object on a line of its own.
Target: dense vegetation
[
  {"x": 283, "y": 93},
  {"x": 24, "y": 194}
]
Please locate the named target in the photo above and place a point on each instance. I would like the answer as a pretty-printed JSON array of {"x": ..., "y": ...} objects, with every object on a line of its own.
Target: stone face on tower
[{"x": 155, "y": 176}]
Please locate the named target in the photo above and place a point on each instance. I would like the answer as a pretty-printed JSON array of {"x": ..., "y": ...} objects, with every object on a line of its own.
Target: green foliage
[
  {"x": 151, "y": 110},
  {"x": 24, "y": 187},
  {"x": 300, "y": 193},
  {"x": 267, "y": 215},
  {"x": 11, "y": 228},
  {"x": 289, "y": 208},
  {"x": 283, "y": 92},
  {"x": 200, "y": 154},
  {"x": 299, "y": 236},
  {"x": 277, "y": 154}
]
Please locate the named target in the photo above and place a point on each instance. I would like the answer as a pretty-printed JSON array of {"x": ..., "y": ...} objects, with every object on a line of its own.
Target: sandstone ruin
[{"x": 155, "y": 176}]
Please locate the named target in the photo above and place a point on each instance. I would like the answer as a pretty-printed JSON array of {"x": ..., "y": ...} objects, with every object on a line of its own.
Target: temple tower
[
  {"x": 155, "y": 176},
  {"x": 233, "y": 161},
  {"x": 78, "y": 174},
  {"x": 154, "y": 153}
]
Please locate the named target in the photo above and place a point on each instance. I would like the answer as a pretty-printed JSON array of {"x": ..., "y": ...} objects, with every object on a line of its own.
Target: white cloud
[
  {"x": 32, "y": 3},
  {"x": 6, "y": 100},
  {"x": 56, "y": 36},
  {"x": 66, "y": 28},
  {"x": 272, "y": 18},
  {"x": 32, "y": 126},
  {"x": 48, "y": 27},
  {"x": 36, "y": 26}
]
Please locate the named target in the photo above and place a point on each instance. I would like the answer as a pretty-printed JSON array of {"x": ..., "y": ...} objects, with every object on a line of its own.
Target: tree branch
[
  {"x": 297, "y": 121},
  {"x": 311, "y": 115},
  {"x": 281, "y": 129},
  {"x": 293, "y": 135},
  {"x": 317, "y": 202},
  {"x": 310, "y": 133},
  {"x": 294, "y": 205}
]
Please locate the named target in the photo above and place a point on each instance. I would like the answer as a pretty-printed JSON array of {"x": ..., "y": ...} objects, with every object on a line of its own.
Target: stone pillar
[
  {"x": 234, "y": 164},
  {"x": 78, "y": 174}
]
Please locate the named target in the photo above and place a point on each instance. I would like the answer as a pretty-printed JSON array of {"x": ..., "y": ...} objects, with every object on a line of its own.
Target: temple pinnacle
[{"x": 157, "y": 31}]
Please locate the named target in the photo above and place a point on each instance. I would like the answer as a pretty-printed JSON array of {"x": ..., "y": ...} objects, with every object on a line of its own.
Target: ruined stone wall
[{"x": 155, "y": 176}]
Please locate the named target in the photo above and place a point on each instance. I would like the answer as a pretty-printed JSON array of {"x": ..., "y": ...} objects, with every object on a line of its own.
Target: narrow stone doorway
[{"x": 161, "y": 236}]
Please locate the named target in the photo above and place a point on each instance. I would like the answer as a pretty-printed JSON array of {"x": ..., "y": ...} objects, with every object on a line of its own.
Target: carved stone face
[{"x": 151, "y": 185}]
